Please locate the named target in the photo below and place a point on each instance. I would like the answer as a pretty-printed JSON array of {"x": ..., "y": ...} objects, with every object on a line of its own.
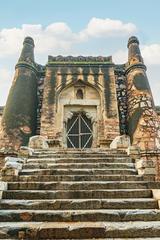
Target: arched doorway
[{"x": 79, "y": 131}]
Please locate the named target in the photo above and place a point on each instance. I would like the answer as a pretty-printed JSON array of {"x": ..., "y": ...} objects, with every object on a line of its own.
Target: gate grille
[{"x": 79, "y": 131}]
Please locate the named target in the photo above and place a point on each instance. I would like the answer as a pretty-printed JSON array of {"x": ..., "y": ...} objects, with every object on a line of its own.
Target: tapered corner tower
[
  {"x": 19, "y": 116},
  {"x": 142, "y": 117},
  {"x": 80, "y": 102}
]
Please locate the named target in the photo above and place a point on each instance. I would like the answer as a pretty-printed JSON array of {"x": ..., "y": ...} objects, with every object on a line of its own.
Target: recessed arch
[
  {"x": 79, "y": 93},
  {"x": 69, "y": 103},
  {"x": 96, "y": 91}
]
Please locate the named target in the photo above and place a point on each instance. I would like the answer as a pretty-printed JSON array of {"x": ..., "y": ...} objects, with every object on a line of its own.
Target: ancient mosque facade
[{"x": 80, "y": 102}]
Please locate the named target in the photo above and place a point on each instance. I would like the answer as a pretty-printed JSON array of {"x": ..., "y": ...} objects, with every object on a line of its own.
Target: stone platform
[{"x": 79, "y": 195}]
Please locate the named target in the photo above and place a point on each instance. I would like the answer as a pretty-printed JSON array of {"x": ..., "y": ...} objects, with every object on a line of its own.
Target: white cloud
[
  {"x": 120, "y": 56},
  {"x": 58, "y": 37},
  {"x": 105, "y": 28},
  {"x": 5, "y": 74},
  {"x": 151, "y": 54},
  {"x": 54, "y": 37},
  {"x": 59, "y": 29},
  {"x": 10, "y": 41}
]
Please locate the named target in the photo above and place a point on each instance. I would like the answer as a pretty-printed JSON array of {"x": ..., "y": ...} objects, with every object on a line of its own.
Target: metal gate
[{"x": 79, "y": 131}]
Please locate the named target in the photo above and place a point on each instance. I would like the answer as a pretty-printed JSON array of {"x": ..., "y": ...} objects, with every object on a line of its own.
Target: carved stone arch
[
  {"x": 77, "y": 83},
  {"x": 88, "y": 114},
  {"x": 73, "y": 87},
  {"x": 68, "y": 105}
]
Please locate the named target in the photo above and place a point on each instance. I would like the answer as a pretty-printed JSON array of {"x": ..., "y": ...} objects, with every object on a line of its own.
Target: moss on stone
[
  {"x": 51, "y": 94},
  {"x": 141, "y": 82},
  {"x": 133, "y": 122},
  {"x": 95, "y": 71},
  {"x": 27, "y": 53},
  {"x": 107, "y": 94},
  {"x": 21, "y": 106},
  {"x": 64, "y": 71},
  {"x": 86, "y": 71}
]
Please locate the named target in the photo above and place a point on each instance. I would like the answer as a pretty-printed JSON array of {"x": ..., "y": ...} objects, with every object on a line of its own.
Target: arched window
[{"x": 79, "y": 94}]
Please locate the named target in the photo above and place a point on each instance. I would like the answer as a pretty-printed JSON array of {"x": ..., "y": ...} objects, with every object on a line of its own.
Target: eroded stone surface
[
  {"x": 115, "y": 98},
  {"x": 50, "y": 198},
  {"x": 120, "y": 142},
  {"x": 38, "y": 142},
  {"x": 25, "y": 151},
  {"x": 12, "y": 166}
]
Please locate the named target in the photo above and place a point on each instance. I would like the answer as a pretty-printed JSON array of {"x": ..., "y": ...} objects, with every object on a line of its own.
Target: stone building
[
  {"x": 80, "y": 102},
  {"x": 65, "y": 193}
]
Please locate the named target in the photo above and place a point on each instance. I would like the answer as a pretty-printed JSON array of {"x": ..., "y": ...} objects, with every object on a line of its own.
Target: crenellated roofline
[{"x": 79, "y": 59}]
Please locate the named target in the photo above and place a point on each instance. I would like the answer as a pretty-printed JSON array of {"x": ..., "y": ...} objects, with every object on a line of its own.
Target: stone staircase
[{"x": 79, "y": 195}]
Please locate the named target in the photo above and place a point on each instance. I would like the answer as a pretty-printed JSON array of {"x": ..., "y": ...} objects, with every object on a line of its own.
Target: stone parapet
[
  {"x": 145, "y": 167},
  {"x": 146, "y": 162},
  {"x": 38, "y": 142},
  {"x": 12, "y": 166},
  {"x": 120, "y": 142},
  {"x": 6, "y": 153}
]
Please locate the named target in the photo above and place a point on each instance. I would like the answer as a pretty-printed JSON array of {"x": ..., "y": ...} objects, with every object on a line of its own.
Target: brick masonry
[{"x": 117, "y": 99}]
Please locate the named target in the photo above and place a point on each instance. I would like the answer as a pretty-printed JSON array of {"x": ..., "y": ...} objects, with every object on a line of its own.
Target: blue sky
[
  {"x": 76, "y": 13},
  {"x": 79, "y": 32}
]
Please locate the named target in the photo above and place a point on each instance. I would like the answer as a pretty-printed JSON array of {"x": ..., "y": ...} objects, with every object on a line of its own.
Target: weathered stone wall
[
  {"x": 157, "y": 161},
  {"x": 143, "y": 126},
  {"x": 19, "y": 116},
  {"x": 98, "y": 86},
  {"x": 117, "y": 98},
  {"x": 143, "y": 121},
  {"x": 152, "y": 160},
  {"x": 0, "y": 118},
  {"x": 121, "y": 88},
  {"x": 48, "y": 105},
  {"x": 158, "y": 112},
  {"x": 3, "y": 155},
  {"x": 40, "y": 89}
]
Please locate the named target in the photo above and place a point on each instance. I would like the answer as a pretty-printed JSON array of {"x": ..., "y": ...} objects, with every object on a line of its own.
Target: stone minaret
[
  {"x": 142, "y": 117},
  {"x": 19, "y": 117}
]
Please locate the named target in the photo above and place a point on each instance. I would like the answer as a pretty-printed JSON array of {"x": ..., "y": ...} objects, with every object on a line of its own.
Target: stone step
[
  {"x": 80, "y": 215},
  {"x": 78, "y": 165},
  {"x": 92, "y": 185},
  {"x": 78, "y": 155},
  {"x": 72, "y": 194},
  {"x": 77, "y": 178},
  {"x": 80, "y": 151},
  {"x": 79, "y": 230},
  {"x": 108, "y": 238},
  {"x": 73, "y": 171},
  {"x": 64, "y": 204},
  {"x": 80, "y": 160},
  {"x": 78, "y": 194}
]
